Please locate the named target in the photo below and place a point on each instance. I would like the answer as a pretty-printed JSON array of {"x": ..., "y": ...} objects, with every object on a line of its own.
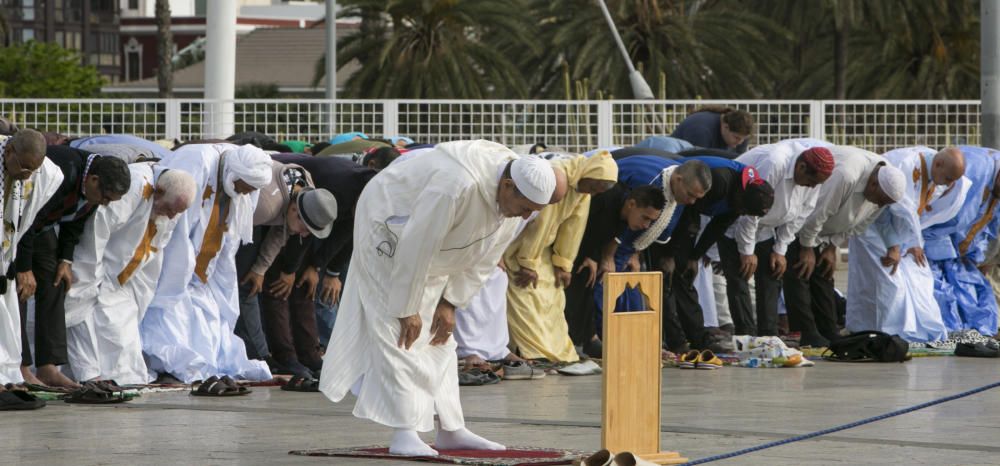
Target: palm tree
[
  {"x": 434, "y": 49},
  {"x": 705, "y": 49},
  {"x": 164, "y": 49}
]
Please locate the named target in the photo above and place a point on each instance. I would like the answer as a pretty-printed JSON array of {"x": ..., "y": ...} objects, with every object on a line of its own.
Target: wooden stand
[{"x": 632, "y": 370}]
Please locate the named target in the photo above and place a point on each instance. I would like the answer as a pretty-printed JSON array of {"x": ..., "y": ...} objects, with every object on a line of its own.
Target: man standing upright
[
  {"x": 428, "y": 233},
  {"x": 45, "y": 256}
]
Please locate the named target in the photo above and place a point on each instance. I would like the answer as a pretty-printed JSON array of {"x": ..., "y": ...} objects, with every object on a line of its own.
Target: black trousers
[
  {"x": 767, "y": 289},
  {"x": 683, "y": 317},
  {"x": 50, "y": 310},
  {"x": 811, "y": 303},
  {"x": 581, "y": 309}
]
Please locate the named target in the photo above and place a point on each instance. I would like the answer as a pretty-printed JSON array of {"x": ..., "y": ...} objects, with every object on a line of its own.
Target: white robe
[
  {"x": 902, "y": 303},
  {"x": 425, "y": 228},
  {"x": 103, "y": 315},
  {"x": 188, "y": 327},
  {"x": 35, "y": 192},
  {"x": 481, "y": 328}
]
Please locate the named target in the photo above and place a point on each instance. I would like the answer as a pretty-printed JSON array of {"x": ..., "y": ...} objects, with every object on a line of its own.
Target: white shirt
[
  {"x": 792, "y": 203},
  {"x": 842, "y": 210}
]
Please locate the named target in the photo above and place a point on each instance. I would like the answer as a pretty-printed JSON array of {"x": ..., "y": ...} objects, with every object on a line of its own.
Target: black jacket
[
  {"x": 64, "y": 209},
  {"x": 345, "y": 180}
]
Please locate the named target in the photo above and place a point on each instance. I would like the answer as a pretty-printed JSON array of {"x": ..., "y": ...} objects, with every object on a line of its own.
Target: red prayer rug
[{"x": 513, "y": 456}]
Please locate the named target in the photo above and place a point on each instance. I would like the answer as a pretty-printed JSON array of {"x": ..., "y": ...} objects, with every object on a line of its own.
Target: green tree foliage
[
  {"x": 434, "y": 48},
  {"x": 723, "y": 49},
  {"x": 45, "y": 70}
]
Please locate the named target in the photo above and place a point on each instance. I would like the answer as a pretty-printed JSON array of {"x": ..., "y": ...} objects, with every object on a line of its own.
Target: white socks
[
  {"x": 407, "y": 442},
  {"x": 463, "y": 439}
]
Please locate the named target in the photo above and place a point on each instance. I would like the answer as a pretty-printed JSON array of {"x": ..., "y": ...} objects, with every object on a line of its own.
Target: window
[
  {"x": 27, "y": 34},
  {"x": 60, "y": 39},
  {"x": 133, "y": 66},
  {"x": 28, "y": 10},
  {"x": 60, "y": 10},
  {"x": 133, "y": 4}
]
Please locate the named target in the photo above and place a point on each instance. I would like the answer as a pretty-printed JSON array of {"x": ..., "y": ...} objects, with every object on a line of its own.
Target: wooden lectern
[{"x": 632, "y": 371}]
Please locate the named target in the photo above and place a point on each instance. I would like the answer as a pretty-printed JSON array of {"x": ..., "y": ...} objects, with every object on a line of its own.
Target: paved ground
[{"x": 705, "y": 413}]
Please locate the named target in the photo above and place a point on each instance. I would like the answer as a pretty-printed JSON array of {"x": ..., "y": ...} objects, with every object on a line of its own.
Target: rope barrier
[{"x": 842, "y": 427}]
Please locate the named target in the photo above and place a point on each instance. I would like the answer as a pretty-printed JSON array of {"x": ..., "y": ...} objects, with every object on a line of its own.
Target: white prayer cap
[
  {"x": 250, "y": 164},
  {"x": 534, "y": 177},
  {"x": 892, "y": 181}
]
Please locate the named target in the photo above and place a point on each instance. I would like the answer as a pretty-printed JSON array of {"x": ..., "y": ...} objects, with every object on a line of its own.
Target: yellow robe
[{"x": 535, "y": 315}]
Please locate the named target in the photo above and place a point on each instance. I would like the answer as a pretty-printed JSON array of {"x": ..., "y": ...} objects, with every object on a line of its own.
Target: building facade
[{"x": 89, "y": 27}]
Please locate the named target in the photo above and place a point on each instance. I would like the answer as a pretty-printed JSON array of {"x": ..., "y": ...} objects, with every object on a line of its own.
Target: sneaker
[
  {"x": 689, "y": 360},
  {"x": 978, "y": 350},
  {"x": 520, "y": 370},
  {"x": 708, "y": 360}
]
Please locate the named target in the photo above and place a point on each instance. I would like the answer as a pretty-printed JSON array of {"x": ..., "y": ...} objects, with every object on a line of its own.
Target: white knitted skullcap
[
  {"x": 534, "y": 177},
  {"x": 892, "y": 181}
]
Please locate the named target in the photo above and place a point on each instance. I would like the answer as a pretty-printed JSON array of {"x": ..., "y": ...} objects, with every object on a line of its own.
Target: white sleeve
[
  {"x": 419, "y": 241},
  {"x": 832, "y": 195}
]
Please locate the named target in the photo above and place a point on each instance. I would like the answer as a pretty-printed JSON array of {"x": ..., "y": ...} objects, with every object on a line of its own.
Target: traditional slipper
[
  {"x": 214, "y": 386},
  {"x": 241, "y": 389},
  {"x": 91, "y": 393},
  {"x": 19, "y": 401},
  {"x": 45, "y": 388},
  {"x": 301, "y": 384}
]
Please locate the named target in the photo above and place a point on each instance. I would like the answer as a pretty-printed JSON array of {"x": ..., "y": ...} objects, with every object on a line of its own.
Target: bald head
[
  {"x": 562, "y": 185},
  {"x": 948, "y": 166},
  {"x": 24, "y": 154}
]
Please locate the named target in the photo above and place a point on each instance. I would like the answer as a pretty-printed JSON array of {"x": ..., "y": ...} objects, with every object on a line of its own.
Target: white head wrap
[
  {"x": 892, "y": 181},
  {"x": 534, "y": 177},
  {"x": 253, "y": 166}
]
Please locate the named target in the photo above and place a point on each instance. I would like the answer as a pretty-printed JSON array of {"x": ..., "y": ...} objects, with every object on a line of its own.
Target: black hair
[
  {"x": 648, "y": 196},
  {"x": 318, "y": 147},
  {"x": 757, "y": 198},
  {"x": 112, "y": 173},
  {"x": 273, "y": 146},
  {"x": 382, "y": 157}
]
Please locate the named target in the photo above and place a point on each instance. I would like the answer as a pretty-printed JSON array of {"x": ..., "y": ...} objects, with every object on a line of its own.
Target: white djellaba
[
  {"x": 18, "y": 212},
  {"x": 188, "y": 327},
  {"x": 116, "y": 266},
  {"x": 426, "y": 228}
]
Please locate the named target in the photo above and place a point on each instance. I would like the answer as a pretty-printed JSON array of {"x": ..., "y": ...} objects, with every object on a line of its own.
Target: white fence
[{"x": 573, "y": 125}]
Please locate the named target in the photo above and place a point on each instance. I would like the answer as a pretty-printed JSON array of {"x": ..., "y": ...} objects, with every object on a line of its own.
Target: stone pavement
[{"x": 704, "y": 413}]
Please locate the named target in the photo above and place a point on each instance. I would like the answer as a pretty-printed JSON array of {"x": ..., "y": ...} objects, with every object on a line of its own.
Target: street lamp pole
[
  {"x": 640, "y": 89},
  {"x": 331, "y": 65}
]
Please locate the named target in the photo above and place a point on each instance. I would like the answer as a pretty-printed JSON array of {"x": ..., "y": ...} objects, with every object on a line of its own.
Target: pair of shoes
[
  {"x": 476, "y": 377},
  {"x": 606, "y": 458},
  {"x": 520, "y": 370},
  {"x": 700, "y": 360}
]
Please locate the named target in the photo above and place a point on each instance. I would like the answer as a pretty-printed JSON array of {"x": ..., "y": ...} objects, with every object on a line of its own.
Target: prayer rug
[{"x": 520, "y": 456}]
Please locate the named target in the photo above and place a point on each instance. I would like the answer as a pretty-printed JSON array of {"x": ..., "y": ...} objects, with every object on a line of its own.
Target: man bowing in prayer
[
  {"x": 899, "y": 300},
  {"x": 428, "y": 232},
  {"x": 861, "y": 186},
  {"x": 116, "y": 265},
  {"x": 540, "y": 262},
  {"x": 28, "y": 180},
  {"x": 188, "y": 330},
  {"x": 956, "y": 248}
]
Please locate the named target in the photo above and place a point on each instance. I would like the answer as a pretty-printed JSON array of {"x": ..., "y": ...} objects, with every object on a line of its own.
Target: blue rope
[{"x": 843, "y": 427}]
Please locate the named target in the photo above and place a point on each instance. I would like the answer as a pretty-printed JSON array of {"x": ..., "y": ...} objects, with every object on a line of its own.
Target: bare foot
[
  {"x": 474, "y": 361},
  {"x": 514, "y": 358},
  {"x": 29, "y": 377},
  {"x": 50, "y": 375}
]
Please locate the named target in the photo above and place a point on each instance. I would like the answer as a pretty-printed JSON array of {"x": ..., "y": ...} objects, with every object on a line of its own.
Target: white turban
[
  {"x": 534, "y": 177},
  {"x": 253, "y": 166},
  {"x": 892, "y": 181}
]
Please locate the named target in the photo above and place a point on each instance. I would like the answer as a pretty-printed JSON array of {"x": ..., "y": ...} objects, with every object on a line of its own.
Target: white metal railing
[{"x": 877, "y": 125}]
